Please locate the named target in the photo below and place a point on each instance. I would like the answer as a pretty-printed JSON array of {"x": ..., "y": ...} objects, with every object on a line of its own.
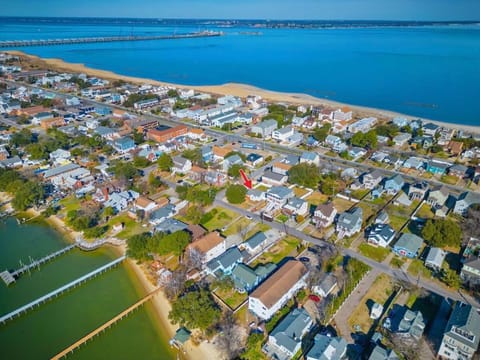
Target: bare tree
[
  {"x": 194, "y": 260},
  {"x": 471, "y": 224},
  {"x": 176, "y": 285},
  {"x": 229, "y": 340},
  {"x": 408, "y": 347}
]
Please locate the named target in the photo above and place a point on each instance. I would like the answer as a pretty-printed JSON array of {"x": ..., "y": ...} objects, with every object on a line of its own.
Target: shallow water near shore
[{"x": 56, "y": 324}]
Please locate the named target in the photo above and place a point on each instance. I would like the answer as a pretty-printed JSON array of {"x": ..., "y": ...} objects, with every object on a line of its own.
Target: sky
[{"x": 426, "y": 10}]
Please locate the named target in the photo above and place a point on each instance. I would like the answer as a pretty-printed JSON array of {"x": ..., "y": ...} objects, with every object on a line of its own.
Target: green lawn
[
  {"x": 376, "y": 253},
  {"x": 418, "y": 268},
  {"x": 425, "y": 212},
  {"x": 360, "y": 193},
  {"x": 397, "y": 262},
  {"x": 317, "y": 198},
  {"x": 369, "y": 212},
  {"x": 70, "y": 203},
  {"x": 396, "y": 222},
  {"x": 231, "y": 297},
  {"x": 283, "y": 248},
  {"x": 221, "y": 219},
  {"x": 131, "y": 228},
  {"x": 449, "y": 179},
  {"x": 237, "y": 226},
  {"x": 258, "y": 227}
]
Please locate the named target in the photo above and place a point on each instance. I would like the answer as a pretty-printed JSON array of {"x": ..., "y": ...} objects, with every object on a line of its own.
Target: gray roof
[
  {"x": 244, "y": 277},
  {"x": 327, "y": 348},
  {"x": 256, "y": 240},
  {"x": 412, "y": 323},
  {"x": 296, "y": 202},
  {"x": 60, "y": 170},
  {"x": 287, "y": 333},
  {"x": 380, "y": 353},
  {"x": 465, "y": 321},
  {"x": 274, "y": 176},
  {"x": 171, "y": 226},
  {"x": 179, "y": 160},
  {"x": 473, "y": 263},
  {"x": 328, "y": 282},
  {"x": 162, "y": 212},
  {"x": 291, "y": 160},
  {"x": 435, "y": 256},
  {"x": 410, "y": 242},
  {"x": 280, "y": 191},
  {"x": 350, "y": 218},
  {"x": 397, "y": 179},
  {"x": 310, "y": 156},
  {"x": 263, "y": 271},
  {"x": 382, "y": 231},
  {"x": 470, "y": 198},
  {"x": 102, "y": 130},
  {"x": 234, "y": 159},
  {"x": 226, "y": 260},
  {"x": 284, "y": 130}
]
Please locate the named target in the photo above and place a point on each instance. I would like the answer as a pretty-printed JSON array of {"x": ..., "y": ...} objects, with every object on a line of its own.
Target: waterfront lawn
[
  {"x": 379, "y": 292},
  {"x": 288, "y": 246},
  {"x": 231, "y": 297},
  {"x": 131, "y": 226},
  {"x": 70, "y": 203},
  {"x": 317, "y": 198},
  {"x": 376, "y": 253},
  {"x": 222, "y": 218}
]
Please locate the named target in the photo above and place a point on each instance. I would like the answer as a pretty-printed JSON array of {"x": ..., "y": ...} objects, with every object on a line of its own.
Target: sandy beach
[
  {"x": 162, "y": 308},
  {"x": 241, "y": 90}
]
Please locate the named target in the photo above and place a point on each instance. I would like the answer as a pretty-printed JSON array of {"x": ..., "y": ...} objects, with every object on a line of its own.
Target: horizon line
[{"x": 232, "y": 19}]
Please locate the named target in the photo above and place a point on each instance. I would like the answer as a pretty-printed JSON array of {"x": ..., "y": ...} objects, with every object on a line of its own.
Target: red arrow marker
[{"x": 246, "y": 181}]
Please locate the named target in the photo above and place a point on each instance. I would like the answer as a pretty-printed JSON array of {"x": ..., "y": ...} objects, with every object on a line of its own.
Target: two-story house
[
  {"x": 349, "y": 222},
  {"x": 208, "y": 247},
  {"x": 278, "y": 289},
  {"x": 470, "y": 273},
  {"x": 324, "y": 215},
  {"x": 381, "y": 235},
  {"x": 408, "y": 245},
  {"x": 462, "y": 334}
]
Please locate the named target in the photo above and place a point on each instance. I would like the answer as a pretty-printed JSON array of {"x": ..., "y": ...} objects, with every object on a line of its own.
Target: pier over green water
[{"x": 53, "y": 326}]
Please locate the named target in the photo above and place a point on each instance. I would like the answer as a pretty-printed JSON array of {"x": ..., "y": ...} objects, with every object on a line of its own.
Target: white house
[
  {"x": 363, "y": 125},
  {"x": 278, "y": 289},
  {"x": 282, "y": 134},
  {"x": 181, "y": 165},
  {"x": 209, "y": 246}
]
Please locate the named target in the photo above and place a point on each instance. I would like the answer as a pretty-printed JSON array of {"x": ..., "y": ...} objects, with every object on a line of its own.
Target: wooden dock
[
  {"x": 105, "y": 39},
  {"x": 51, "y": 295},
  {"x": 103, "y": 327}
]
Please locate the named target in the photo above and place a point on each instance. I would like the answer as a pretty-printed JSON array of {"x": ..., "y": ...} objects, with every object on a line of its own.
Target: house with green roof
[
  {"x": 462, "y": 334},
  {"x": 246, "y": 279}
]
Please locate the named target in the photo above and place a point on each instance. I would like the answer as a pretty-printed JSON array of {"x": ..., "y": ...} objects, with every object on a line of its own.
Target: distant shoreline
[{"x": 241, "y": 90}]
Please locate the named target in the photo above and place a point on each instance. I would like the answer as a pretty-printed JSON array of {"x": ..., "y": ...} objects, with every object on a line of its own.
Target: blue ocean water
[{"x": 426, "y": 71}]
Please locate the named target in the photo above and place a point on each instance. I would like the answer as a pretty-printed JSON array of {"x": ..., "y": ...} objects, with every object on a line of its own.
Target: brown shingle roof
[
  {"x": 282, "y": 166},
  {"x": 282, "y": 280},
  {"x": 221, "y": 151},
  {"x": 207, "y": 242},
  {"x": 143, "y": 202},
  {"x": 196, "y": 231}
]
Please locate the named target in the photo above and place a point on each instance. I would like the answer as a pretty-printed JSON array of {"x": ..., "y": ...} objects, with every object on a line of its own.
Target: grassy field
[
  {"x": 379, "y": 292},
  {"x": 235, "y": 227},
  {"x": 397, "y": 262},
  {"x": 231, "y": 297},
  {"x": 449, "y": 179},
  {"x": 396, "y": 222},
  {"x": 417, "y": 267},
  {"x": 317, "y": 198},
  {"x": 221, "y": 219},
  {"x": 299, "y": 192},
  {"x": 285, "y": 247},
  {"x": 369, "y": 212},
  {"x": 425, "y": 212},
  {"x": 258, "y": 227},
  {"x": 376, "y": 253},
  {"x": 342, "y": 205},
  {"x": 70, "y": 203},
  {"x": 360, "y": 193},
  {"x": 131, "y": 226}
]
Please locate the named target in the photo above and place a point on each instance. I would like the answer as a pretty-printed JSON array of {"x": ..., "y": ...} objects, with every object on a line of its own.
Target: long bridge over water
[
  {"x": 104, "y": 39},
  {"x": 103, "y": 327},
  {"x": 60, "y": 290}
]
